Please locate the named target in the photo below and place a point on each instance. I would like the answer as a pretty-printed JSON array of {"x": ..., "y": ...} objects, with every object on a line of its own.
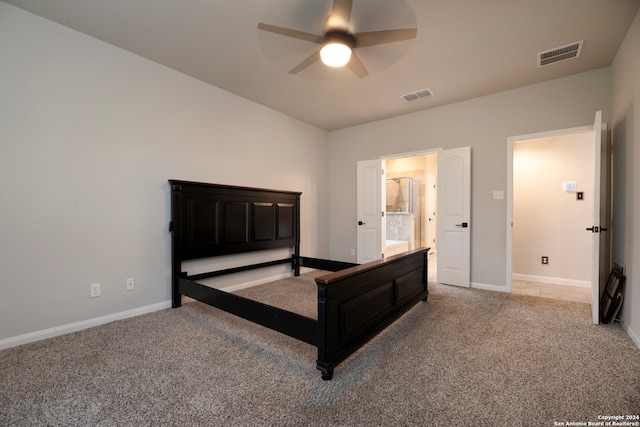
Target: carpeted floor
[{"x": 464, "y": 358}]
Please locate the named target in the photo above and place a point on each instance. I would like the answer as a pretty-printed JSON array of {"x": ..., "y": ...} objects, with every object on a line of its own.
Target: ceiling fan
[{"x": 337, "y": 44}]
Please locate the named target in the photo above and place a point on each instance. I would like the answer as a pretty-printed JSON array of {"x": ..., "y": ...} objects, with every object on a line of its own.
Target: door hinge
[
  {"x": 383, "y": 214},
  {"x": 596, "y": 229}
]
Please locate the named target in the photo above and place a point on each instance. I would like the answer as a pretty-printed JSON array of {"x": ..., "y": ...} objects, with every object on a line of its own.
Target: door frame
[
  {"x": 511, "y": 141},
  {"x": 412, "y": 154},
  {"x": 431, "y": 225}
]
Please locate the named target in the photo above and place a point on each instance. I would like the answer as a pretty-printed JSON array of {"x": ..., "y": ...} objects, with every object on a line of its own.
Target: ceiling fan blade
[
  {"x": 373, "y": 38},
  {"x": 356, "y": 66},
  {"x": 340, "y": 15},
  {"x": 314, "y": 57},
  {"x": 301, "y": 35}
]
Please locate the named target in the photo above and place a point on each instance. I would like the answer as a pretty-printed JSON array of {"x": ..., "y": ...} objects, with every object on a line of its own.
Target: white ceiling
[{"x": 464, "y": 48}]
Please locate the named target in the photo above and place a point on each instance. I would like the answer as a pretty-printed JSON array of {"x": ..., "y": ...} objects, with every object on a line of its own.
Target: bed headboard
[{"x": 212, "y": 220}]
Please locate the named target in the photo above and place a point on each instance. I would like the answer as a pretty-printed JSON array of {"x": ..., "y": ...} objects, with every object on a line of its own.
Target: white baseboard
[
  {"x": 552, "y": 280},
  {"x": 488, "y": 287},
  {"x": 78, "y": 326},
  {"x": 632, "y": 334}
]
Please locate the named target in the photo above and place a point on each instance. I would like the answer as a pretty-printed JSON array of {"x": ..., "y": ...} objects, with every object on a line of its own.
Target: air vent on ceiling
[
  {"x": 559, "y": 54},
  {"x": 417, "y": 95}
]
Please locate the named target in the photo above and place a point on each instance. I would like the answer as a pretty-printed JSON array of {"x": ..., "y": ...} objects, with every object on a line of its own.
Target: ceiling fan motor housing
[{"x": 337, "y": 36}]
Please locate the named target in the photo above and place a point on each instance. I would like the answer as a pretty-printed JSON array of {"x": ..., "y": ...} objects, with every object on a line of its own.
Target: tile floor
[{"x": 545, "y": 290}]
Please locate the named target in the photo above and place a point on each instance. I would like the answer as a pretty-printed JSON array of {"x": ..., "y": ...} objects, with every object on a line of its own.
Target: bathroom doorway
[{"x": 410, "y": 208}]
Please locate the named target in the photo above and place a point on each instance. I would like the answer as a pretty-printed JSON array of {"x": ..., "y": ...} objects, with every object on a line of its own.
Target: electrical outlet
[
  {"x": 545, "y": 260},
  {"x": 94, "y": 290},
  {"x": 131, "y": 284}
]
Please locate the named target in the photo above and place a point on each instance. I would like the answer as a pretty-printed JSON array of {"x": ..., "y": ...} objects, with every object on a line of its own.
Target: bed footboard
[{"x": 357, "y": 303}]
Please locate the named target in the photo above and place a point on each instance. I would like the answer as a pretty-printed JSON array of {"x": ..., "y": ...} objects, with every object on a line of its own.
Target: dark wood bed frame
[{"x": 355, "y": 302}]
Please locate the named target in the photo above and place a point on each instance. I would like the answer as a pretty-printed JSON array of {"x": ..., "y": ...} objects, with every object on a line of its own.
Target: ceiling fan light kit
[
  {"x": 336, "y": 50},
  {"x": 335, "y": 54}
]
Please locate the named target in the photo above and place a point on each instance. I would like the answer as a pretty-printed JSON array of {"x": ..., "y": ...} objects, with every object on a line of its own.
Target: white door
[
  {"x": 599, "y": 217},
  {"x": 369, "y": 210},
  {"x": 454, "y": 214}
]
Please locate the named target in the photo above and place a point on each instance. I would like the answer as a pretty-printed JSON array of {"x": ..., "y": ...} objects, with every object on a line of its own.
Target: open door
[
  {"x": 454, "y": 212},
  {"x": 600, "y": 217},
  {"x": 370, "y": 210}
]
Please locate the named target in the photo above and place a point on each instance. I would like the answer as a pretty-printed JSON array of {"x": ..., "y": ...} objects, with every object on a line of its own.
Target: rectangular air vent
[
  {"x": 417, "y": 95},
  {"x": 559, "y": 54}
]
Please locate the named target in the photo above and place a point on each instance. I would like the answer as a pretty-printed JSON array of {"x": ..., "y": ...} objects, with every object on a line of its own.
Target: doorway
[
  {"x": 451, "y": 251},
  {"x": 553, "y": 187},
  {"x": 411, "y": 204},
  {"x": 597, "y": 202}
]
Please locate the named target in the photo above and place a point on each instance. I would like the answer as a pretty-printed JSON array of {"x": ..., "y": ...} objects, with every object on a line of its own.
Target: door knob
[
  {"x": 361, "y": 223},
  {"x": 463, "y": 225}
]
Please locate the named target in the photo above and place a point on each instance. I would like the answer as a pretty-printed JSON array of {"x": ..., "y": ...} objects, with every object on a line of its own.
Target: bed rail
[
  {"x": 321, "y": 264},
  {"x": 292, "y": 324}
]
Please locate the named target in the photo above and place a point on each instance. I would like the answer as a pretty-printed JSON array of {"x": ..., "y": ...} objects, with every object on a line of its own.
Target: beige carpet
[{"x": 464, "y": 358}]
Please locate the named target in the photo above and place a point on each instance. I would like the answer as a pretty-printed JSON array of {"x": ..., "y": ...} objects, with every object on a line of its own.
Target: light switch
[
  {"x": 569, "y": 186},
  {"x": 498, "y": 194}
]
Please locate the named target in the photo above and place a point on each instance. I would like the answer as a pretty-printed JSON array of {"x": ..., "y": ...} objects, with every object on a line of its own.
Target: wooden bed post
[
  {"x": 175, "y": 227},
  {"x": 295, "y": 264},
  {"x": 326, "y": 335},
  {"x": 425, "y": 278},
  {"x": 295, "y": 260}
]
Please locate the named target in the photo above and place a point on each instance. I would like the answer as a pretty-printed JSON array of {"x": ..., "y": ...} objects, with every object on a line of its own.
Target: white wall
[
  {"x": 484, "y": 124},
  {"x": 89, "y": 136},
  {"x": 548, "y": 221},
  {"x": 626, "y": 146}
]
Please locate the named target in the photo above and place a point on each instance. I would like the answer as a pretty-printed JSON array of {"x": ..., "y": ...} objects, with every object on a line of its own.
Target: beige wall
[
  {"x": 89, "y": 136},
  {"x": 482, "y": 123},
  {"x": 626, "y": 146},
  {"x": 548, "y": 221}
]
